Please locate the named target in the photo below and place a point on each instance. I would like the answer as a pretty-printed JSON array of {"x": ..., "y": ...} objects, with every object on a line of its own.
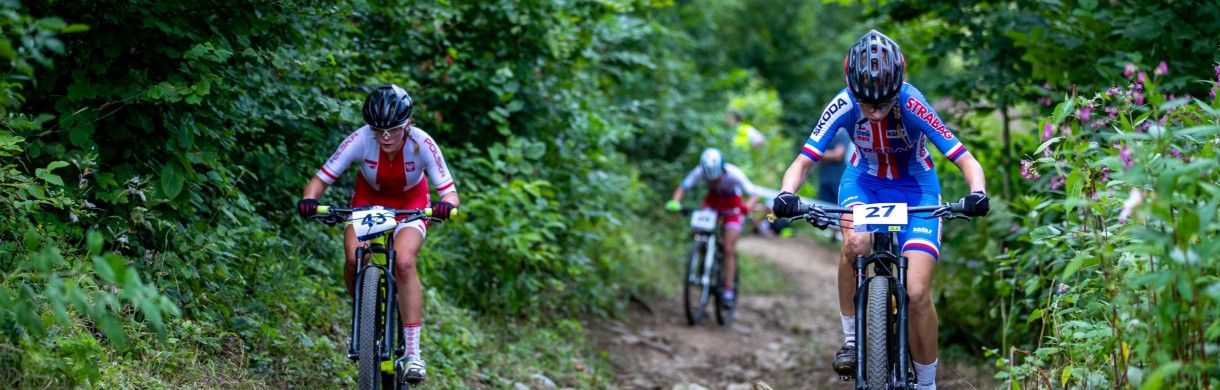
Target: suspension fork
[
  {"x": 391, "y": 304},
  {"x": 904, "y": 347},
  {"x": 351, "y": 343}
]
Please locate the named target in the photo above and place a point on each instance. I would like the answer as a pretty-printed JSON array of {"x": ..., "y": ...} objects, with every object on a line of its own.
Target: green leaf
[
  {"x": 103, "y": 270},
  {"x": 1047, "y": 144},
  {"x": 1074, "y": 188},
  {"x": 45, "y": 174},
  {"x": 1067, "y": 374},
  {"x": 52, "y": 23},
  {"x": 172, "y": 180},
  {"x": 110, "y": 327},
  {"x": 1062, "y": 111},
  {"x": 1074, "y": 265},
  {"x": 74, "y": 27},
  {"x": 95, "y": 242},
  {"x": 1044, "y": 232},
  {"x": 1034, "y": 316}
]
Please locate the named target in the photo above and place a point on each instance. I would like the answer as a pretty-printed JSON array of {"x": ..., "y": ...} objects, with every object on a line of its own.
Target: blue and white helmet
[{"x": 712, "y": 164}]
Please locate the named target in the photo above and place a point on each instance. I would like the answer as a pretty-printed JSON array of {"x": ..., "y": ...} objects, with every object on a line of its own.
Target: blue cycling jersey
[{"x": 895, "y": 147}]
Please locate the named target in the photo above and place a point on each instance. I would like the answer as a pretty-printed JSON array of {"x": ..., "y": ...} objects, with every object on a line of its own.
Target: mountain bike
[
  {"x": 703, "y": 267},
  {"x": 881, "y": 296},
  {"x": 375, "y": 340}
]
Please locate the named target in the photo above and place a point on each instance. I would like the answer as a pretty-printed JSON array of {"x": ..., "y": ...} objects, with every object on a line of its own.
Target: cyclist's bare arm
[
  {"x": 750, "y": 203},
  {"x": 794, "y": 177},
  {"x": 316, "y": 186},
  {"x": 973, "y": 171},
  {"x": 678, "y": 194}
]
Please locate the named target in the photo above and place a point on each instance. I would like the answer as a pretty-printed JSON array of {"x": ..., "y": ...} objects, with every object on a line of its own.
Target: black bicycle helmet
[
  {"x": 387, "y": 107},
  {"x": 874, "y": 68}
]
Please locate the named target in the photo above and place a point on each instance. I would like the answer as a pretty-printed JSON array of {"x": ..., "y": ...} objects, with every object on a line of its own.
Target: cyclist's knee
[
  {"x": 405, "y": 263},
  {"x": 920, "y": 296}
]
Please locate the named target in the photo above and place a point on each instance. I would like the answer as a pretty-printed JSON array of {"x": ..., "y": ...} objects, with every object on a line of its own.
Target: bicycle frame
[{"x": 886, "y": 258}]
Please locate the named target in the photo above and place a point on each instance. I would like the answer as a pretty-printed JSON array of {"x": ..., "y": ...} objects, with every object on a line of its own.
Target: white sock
[
  {"x": 410, "y": 334},
  {"x": 849, "y": 328},
  {"x": 926, "y": 375}
]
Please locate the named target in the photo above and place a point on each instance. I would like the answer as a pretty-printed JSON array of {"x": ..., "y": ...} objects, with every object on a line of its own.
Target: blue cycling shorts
[{"x": 858, "y": 188}]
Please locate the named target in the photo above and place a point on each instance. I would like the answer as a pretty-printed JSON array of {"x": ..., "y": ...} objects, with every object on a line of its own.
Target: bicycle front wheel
[
  {"x": 695, "y": 291},
  {"x": 369, "y": 364},
  {"x": 878, "y": 336}
]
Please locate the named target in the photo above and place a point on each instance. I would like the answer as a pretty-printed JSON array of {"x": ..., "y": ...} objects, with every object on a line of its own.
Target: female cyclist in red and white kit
[{"x": 394, "y": 158}]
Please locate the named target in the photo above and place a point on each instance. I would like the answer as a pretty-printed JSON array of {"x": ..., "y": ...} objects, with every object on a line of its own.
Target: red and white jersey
[{"x": 388, "y": 177}]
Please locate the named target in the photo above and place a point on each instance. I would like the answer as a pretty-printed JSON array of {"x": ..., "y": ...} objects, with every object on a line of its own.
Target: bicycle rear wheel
[
  {"x": 369, "y": 364},
  {"x": 878, "y": 340},
  {"x": 695, "y": 292}
]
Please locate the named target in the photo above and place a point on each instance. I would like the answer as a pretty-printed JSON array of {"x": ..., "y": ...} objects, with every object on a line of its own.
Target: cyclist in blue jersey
[{"x": 890, "y": 123}]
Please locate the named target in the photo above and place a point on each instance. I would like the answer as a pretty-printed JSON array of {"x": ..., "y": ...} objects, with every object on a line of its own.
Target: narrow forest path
[{"x": 786, "y": 341}]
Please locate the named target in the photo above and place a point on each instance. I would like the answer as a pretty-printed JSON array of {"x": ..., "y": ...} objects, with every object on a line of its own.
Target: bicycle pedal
[{"x": 846, "y": 378}]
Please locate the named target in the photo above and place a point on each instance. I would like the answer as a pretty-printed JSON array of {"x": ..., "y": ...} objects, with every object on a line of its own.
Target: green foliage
[
  {"x": 1106, "y": 279},
  {"x": 177, "y": 161}
]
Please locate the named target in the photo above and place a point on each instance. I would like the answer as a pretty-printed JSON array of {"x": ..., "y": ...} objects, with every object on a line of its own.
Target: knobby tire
[
  {"x": 878, "y": 337},
  {"x": 369, "y": 365},
  {"x": 694, "y": 293}
]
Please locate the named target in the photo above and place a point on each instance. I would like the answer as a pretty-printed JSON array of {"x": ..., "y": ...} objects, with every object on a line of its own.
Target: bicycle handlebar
[
  {"x": 820, "y": 216},
  {"x": 331, "y": 216}
]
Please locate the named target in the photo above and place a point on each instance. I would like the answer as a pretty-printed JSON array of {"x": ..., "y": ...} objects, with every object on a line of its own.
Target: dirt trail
[{"x": 785, "y": 341}]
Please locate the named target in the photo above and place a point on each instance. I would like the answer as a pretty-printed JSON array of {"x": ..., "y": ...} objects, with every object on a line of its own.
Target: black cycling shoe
[
  {"x": 845, "y": 359},
  {"x": 728, "y": 301}
]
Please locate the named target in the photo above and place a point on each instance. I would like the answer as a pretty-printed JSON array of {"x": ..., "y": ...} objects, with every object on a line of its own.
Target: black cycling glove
[
  {"x": 441, "y": 209},
  {"x": 976, "y": 204},
  {"x": 786, "y": 205},
  {"x": 307, "y": 207}
]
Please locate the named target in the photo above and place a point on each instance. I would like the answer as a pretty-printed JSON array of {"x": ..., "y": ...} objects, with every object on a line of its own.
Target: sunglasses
[
  {"x": 883, "y": 106},
  {"x": 390, "y": 133}
]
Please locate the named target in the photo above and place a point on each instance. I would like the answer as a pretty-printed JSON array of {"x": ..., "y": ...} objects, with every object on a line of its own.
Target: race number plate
[
  {"x": 370, "y": 223},
  {"x": 880, "y": 217},
  {"x": 703, "y": 220}
]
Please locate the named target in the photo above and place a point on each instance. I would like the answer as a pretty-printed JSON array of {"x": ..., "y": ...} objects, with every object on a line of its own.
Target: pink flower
[
  {"x": 1125, "y": 156},
  {"x": 1015, "y": 229},
  {"x": 1047, "y": 132},
  {"x": 1085, "y": 112},
  {"x": 1161, "y": 69},
  {"x": 1139, "y": 96},
  {"x": 1128, "y": 70},
  {"x": 1140, "y": 79}
]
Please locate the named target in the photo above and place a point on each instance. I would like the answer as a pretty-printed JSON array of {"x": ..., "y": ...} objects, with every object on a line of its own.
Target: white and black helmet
[
  {"x": 387, "y": 107},
  {"x": 712, "y": 164}
]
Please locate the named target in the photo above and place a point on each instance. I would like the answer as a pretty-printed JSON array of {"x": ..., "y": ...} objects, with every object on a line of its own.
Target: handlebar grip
[
  {"x": 323, "y": 209},
  {"x": 957, "y": 207},
  {"x": 452, "y": 213}
]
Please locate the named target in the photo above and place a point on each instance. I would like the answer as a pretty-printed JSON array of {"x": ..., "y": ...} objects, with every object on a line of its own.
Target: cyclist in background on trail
[
  {"x": 394, "y": 157},
  {"x": 745, "y": 135},
  {"x": 890, "y": 123},
  {"x": 726, "y": 183}
]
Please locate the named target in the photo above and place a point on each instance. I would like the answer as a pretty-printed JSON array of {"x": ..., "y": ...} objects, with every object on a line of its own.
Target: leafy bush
[{"x": 1108, "y": 276}]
